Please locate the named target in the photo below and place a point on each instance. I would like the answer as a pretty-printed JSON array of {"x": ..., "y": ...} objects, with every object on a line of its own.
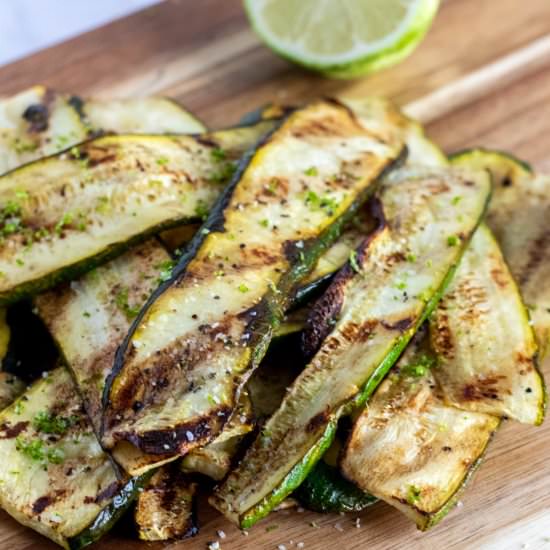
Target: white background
[{"x": 29, "y": 25}]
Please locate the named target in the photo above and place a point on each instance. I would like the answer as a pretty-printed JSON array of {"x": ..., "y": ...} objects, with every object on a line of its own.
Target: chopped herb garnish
[
  {"x": 49, "y": 423},
  {"x": 165, "y": 270},
  {"x": 162, "y": 161},
  {"x": 19, "y": 261},
  {"x": 311, "y": 171},
  {"x": 413, "y": 494},
  {"x": 63, "y": 222},
  {"x": 452, "y": 240},
  {"x": 315, "y": 202},
  {"x": 201, "y": 210},
  {"x": 224, "y": 174},
  {"x": 272, "y": 186},
  {"x": 264, "y": 222},
  {"x": 353, "y": 261},
  {"x": 411, "y": 258},
  {"x": 218, "y": 154},
  {"x": 243, "y": 288},
  {"x": 456, "y": 200},
  {"x": 121, "y": 300}
]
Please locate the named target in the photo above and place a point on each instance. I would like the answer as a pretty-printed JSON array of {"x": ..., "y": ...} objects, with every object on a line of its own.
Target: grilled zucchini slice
[
  {"x": 412, "y": 450},
  {"x": 359, "y": 328},
  {"x": 65, "y": 214},
  {"x": 165, "y": 508},
  {"x": 55, "y": 478},
  {"x": 146, "y": 115},
  {"x": 89, "y": 318},
  {"x": 36, "y": 123},
  {"x": 518, "y": 216},
  {"x": 485, "y": 347},
  {"x": 206, "y": 330}
]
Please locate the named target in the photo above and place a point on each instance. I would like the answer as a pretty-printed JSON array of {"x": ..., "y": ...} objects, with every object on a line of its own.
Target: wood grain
[{"x": 204, "y": 55}]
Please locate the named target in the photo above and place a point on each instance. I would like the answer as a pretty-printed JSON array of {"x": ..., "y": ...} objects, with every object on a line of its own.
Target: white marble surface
[{"x": 30, "y": 25}]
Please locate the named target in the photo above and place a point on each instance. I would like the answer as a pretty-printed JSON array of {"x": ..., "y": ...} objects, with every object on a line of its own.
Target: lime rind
[{"x": 405, "y": 40}]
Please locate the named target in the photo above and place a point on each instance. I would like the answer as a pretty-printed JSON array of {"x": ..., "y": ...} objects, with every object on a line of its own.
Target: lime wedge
[{"x": 342, "y": 38}]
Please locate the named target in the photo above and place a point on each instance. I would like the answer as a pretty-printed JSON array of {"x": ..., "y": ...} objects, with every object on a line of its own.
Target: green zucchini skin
[
  {"x": 325, "y": 490},
  {"x": 127, "y": 416},
  {"x": 278, "y": 462},
  {"x": 110, "y": 515},
  {"x": 134, "y": 186}
]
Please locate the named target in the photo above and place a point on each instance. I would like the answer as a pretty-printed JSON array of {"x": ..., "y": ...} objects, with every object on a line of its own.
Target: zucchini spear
[
  {"x": 63, "y": 215},
  {"x": 203, "y": 333},
  {"x": 359, "y": 328},
  {"x": 485, "y": 347},
  {"x": 518, "y": 216},
  {"x": 412, "y": 450},
  {"x": 54, "y": 476}
]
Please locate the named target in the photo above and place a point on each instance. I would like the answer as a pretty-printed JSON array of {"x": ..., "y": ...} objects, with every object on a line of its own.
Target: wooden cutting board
[{"x": 482, "y": 77}]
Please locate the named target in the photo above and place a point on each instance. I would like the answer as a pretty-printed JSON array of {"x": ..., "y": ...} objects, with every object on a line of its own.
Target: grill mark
[
  {"x": 483, "y": 388},
  {"x": 163, "y": 442},
  {"x": 9, "y": 432},
  {"x": 402, "y": 325},
  {"x": 322, "y": 317},
  {"x": 443, "y": 337},
  {"x": 97, "y": 155},
  {"x": 499, "y": 277},
  {"x": 536, "y": 255},
  {"x": 41, "y": 503},
  {"x": 317, "y": 421},
  {"x": 107, "y": 493},
  {"x": 38, "y": 117}
]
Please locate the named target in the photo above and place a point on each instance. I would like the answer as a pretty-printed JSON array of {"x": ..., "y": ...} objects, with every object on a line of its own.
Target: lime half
[{"x": 342, "y": 38}]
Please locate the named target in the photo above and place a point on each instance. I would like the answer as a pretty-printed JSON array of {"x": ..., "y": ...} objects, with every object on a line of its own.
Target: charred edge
[
  {"x": 317, "y": 421},
  {"x": 37, "y": 116},
  {"x": 107, "y": 493},
  {"x": 215, "y": 220},
  {"x": 77, "y": 103},
  {"x": 322, "y": 318},
  {"x": 41, "y": 503},
  {"x": 402, "y": 325},
  {"x": 536, "y": 255},
  {"x": 325, "y": 311},
  {"x": 9, "y": 432},
  {"x": 179, "y": 439}
]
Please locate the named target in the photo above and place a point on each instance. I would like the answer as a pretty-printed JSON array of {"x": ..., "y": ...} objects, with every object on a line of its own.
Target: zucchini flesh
[
  {"x": 146, "y": 115},
  {"x": 206, "y": 330},
  {"x": 485, "y": 347},
  {"x": 55, "y": 478},
  {"x": 383, "y": 116},
  {"x": 368, "y": 314},
  {"x": 89, "y": 318},
  {"x": 165, "y": 508},
  {"x": 36, "y": 123},
  {"x": 65, "y": 214},
  {"x": 412, "y": 450},
  {"x": 518, "y": 216},
  {"x": 11, "y": 387},
  {"x": 214, "y": 460}
]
